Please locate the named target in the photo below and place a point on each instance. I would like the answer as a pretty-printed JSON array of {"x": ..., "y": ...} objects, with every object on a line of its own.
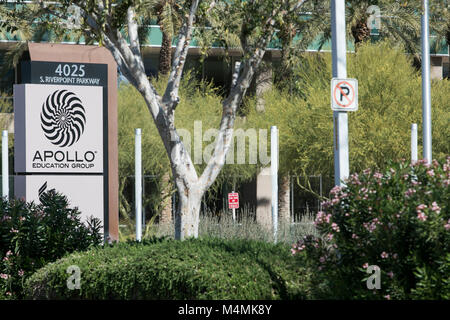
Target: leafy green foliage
[
  {"x": 389, "y": 102},
  {"x": 200, "y": 105},
  {"x": 398, "y": 220},
  {"x": 32, "y": 235},
  {"x": 168, "y": 269}
]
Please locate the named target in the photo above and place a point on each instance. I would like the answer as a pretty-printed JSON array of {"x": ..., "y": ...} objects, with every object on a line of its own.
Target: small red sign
[{"x": 233, "y": 200}]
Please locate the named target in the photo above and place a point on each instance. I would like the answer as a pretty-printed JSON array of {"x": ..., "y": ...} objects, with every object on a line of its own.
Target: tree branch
[
  {"x": 133, "y": 35},
  {"x": 170, "y": 97},
  {"x": 229, "y": 107}
]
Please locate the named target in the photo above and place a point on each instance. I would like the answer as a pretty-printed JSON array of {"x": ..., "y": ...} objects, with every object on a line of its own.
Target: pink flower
[
  {"x": 421, "y": 207},
  {"x": 447, "y": 226},
  {"x": 377, "y": 175},
  {"x": 335, "y": 201},
  {"x": 322, "y": 259},
  {"x": 354, "y": 236},
  {"x": 4, "y": 276},
  {"x": 8, "y": 253},
  {"x": 409, "y": 192},
  {"x": 366, "y": 265},
  {"x": 293, "y": 251},
  {"x": 395, "y": 256},
  {"x": 326, "y": 204},
  {"x": 435, "y": 208},
  {"x": 430, "y": 173},
  {"x": 14, "y": 230},
  {"x": 388, "y": 297},
  {"x": 335, "y": 227},
  {"x": 336, "y": 189},
  {"x": 322, "y": 218},
  {"x": 330, "y": 237},
  {"x": 384, "y": 255},
  {"x": 5, "y": 259},
  {"x": 8, "y": 293},
  {"x": 422, "y": 216},
  {"x": 390, "y": 274},
  {"x": 21, "y": 273}
]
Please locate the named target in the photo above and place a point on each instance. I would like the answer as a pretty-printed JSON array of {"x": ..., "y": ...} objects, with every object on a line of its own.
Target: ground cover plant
[{"x": 32, "y": 235}]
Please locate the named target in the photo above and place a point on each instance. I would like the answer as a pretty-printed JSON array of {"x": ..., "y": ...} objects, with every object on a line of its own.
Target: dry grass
[{"x": 222, "y": 226}]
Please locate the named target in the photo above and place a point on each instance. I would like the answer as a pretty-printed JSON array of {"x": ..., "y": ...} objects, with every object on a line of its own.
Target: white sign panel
[
  {"x": 344, "y": 94},
  {"x": 84, "y": 192},
  {"x": 59, "y": 128}
]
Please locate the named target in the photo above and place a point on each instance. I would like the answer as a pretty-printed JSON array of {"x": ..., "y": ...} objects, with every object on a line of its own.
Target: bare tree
[{"x": 105, "y": 20}]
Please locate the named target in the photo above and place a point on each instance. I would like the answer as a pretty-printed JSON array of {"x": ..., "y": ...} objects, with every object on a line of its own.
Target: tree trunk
[
  {"x": 284, "y": 196},
  {"x": 166, "y": 195},
  {"x": 165, "y": 53},
  {"x": 188, "y": 211},
  {"x": 263, "y": 83},
  {"x": 360, "y": 32},
  {"x": 447, "y": 35}
]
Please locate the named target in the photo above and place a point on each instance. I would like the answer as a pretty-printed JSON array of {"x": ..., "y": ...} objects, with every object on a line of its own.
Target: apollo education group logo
[
  {"x": 64, "y": 129},
  {"x": 63, "y": 118}
]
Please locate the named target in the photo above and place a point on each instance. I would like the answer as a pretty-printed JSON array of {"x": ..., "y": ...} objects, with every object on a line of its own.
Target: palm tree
[
  {"x": 168, "y": 19},
  {"x": 440, "y": 21},
  {"x": 399, "y": 21}
]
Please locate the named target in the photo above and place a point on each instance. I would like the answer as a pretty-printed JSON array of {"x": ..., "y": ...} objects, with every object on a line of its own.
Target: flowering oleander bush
[
  {"x": 32, "y": 235},
  {"x": 398, "y": 220}
]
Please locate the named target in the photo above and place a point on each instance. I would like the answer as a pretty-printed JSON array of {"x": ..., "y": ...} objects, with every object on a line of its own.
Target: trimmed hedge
[{"x": 169, "y": 269}]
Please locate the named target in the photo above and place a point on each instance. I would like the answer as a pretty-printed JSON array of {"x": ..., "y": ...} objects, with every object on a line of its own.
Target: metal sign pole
[
  {"x": 426, "y": 95},
  {"x": 5, "y": 165},
  {"x": 274, "y": 173},
  {"x": 234, "y": 211},
  {"x": 340, "y": 119},
  {"x": 138, "y": 184}
]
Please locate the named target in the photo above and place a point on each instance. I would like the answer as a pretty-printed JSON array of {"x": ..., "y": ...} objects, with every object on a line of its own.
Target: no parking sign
[{"x": 344, "y": 94}]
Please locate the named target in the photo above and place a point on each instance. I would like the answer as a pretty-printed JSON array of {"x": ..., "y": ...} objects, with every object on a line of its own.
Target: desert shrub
[
  {"x": 168, "y": 269},
  {"x": 221, "y": 225},
  {"x": 389, "y": 102},
  {"x": 399, "y": 221},
  {"x": 32, "y": 235}
]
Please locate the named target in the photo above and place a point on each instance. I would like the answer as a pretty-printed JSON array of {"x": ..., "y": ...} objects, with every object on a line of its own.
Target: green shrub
[
  {"x": 390, "y": 101},
  {"x": 32, "y": 235},
  {"x": 398, "y": 220},
  {"x": 168, "y": 269}
]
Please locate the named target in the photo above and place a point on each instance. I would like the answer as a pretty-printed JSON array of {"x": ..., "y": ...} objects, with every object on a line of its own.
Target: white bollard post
[
  {"x": 5, "y": 165},
  {"x": 274, "y": 174},
  {"x": 138, "y": 183},
  {"x": 414, "y": 143}
]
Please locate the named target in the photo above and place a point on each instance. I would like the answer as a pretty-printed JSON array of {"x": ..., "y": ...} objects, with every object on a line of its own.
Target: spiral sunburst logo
[{"x": 63, "y": 118}]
